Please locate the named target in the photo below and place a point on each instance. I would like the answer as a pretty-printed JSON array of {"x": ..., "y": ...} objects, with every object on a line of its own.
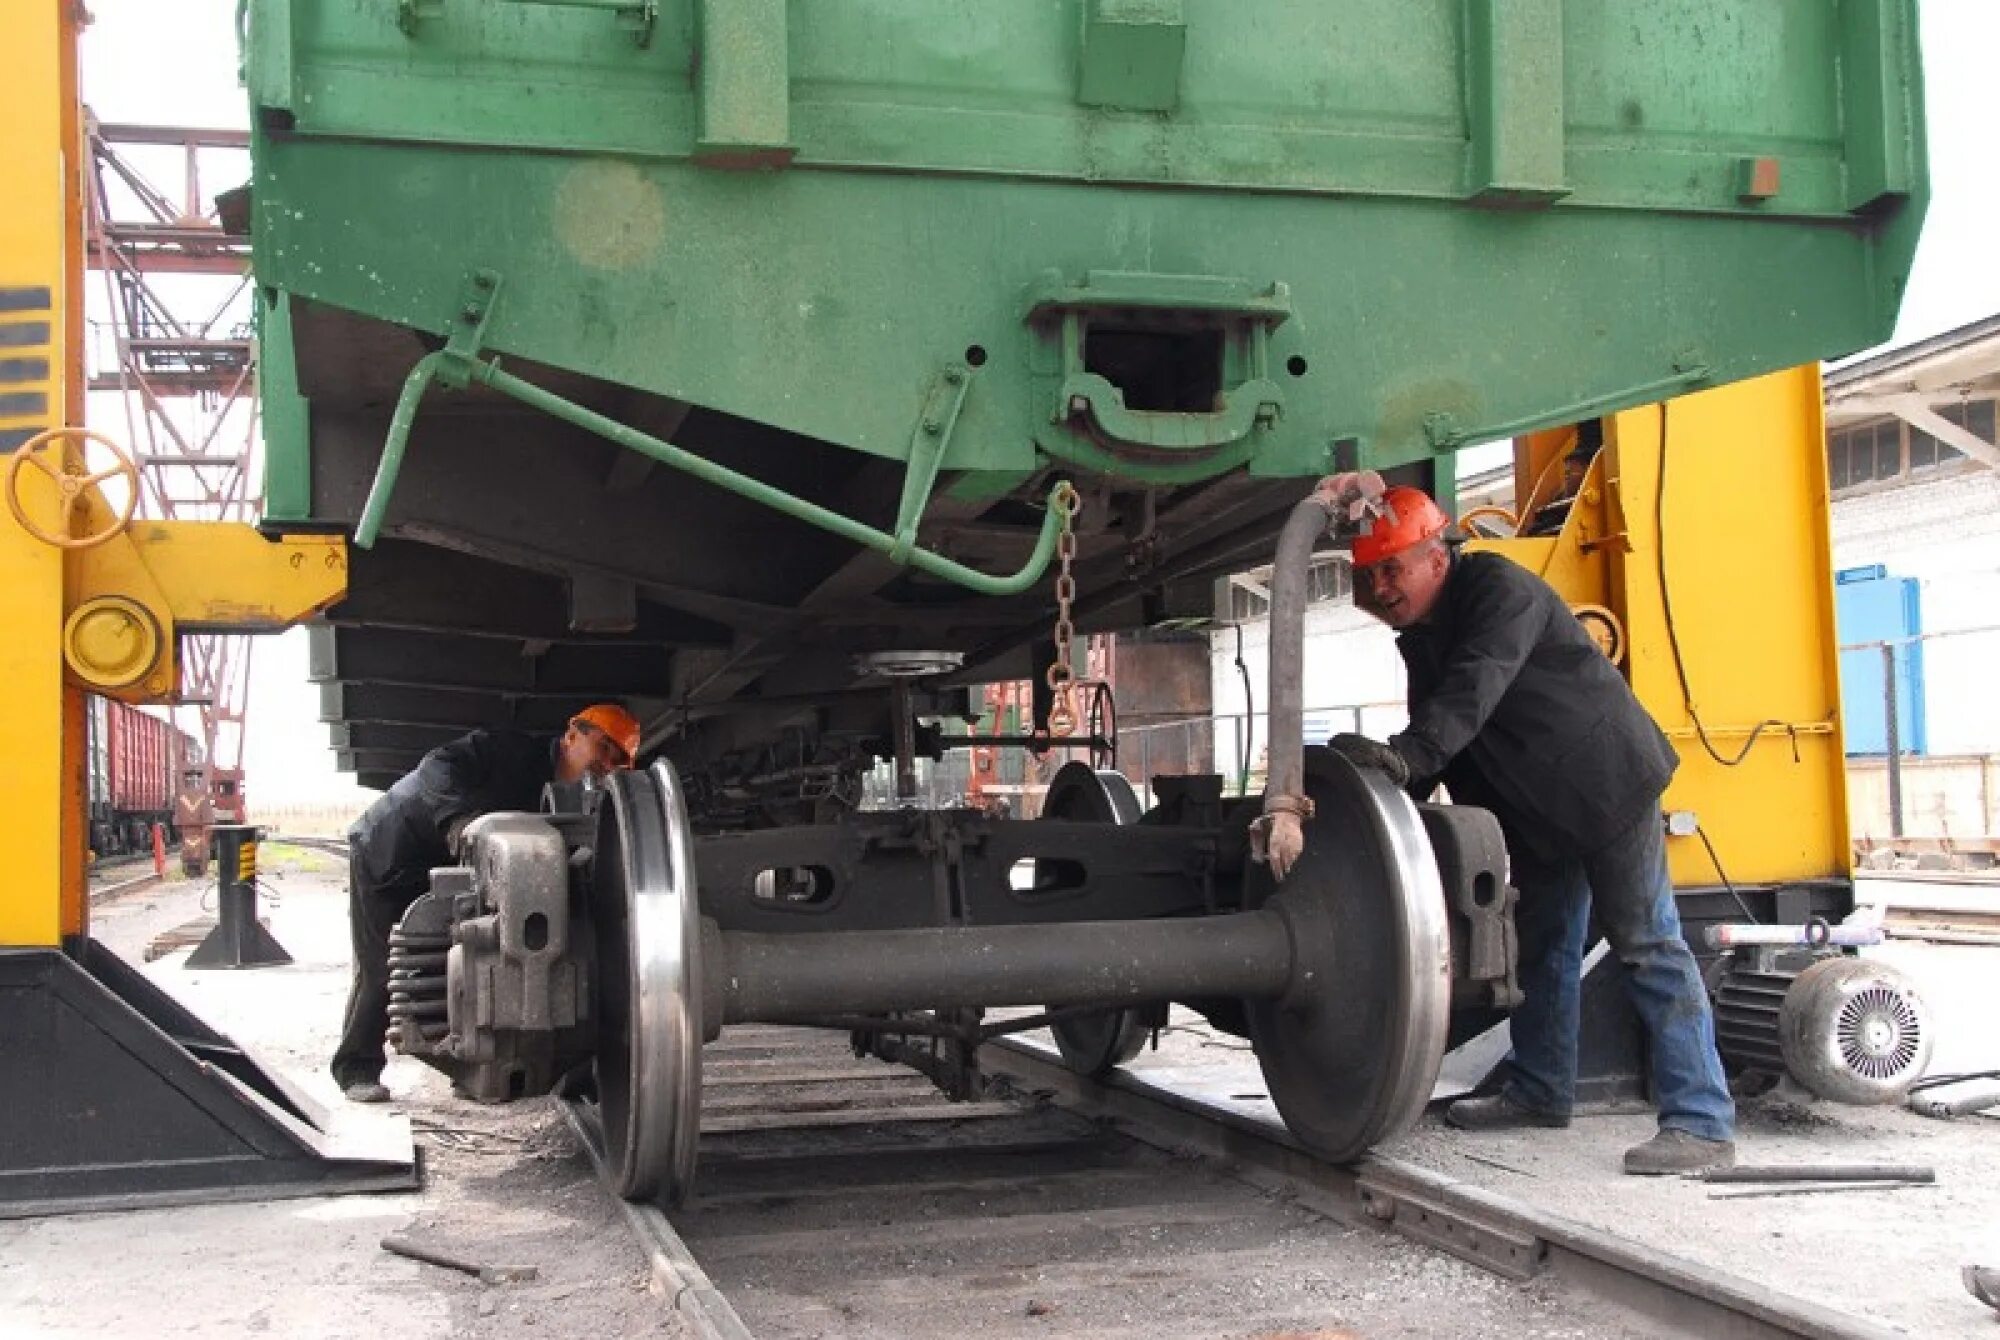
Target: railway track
[
  {"x": 114, "y": 878},
  {"x": 846, "y": 1197}
]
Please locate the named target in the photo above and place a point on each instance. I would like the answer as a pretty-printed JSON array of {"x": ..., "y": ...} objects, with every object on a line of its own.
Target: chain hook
[{"x": 1062, "y": 671}]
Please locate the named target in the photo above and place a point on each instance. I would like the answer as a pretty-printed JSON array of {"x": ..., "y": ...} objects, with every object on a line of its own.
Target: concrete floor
[
  {"x": 1890, "y": 1256},
  {"x": 508, "y": 1186}
]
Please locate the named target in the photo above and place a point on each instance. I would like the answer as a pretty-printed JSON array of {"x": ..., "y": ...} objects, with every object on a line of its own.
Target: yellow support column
[
  {"x": 1718, "y": 597},
  {"x": 103, "y": 1105},
  {"x": 1730, "y": 618},
  {"x": 41, "y": 718}
]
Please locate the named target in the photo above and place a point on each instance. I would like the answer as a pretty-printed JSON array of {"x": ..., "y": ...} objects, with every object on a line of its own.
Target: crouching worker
[{"x": 416, "y": 824}]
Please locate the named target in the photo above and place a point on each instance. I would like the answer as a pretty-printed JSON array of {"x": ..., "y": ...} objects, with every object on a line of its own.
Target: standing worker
[
  {"x": 1514, "y": 708},
  {"x": 416, "y": 825}
]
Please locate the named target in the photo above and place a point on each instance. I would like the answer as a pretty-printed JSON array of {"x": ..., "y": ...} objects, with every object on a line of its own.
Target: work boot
[
  {"x": 1676, "y": 1151},
  {"x": 365, "y": 1091},
  {"x": 1498, "y": 1112}
]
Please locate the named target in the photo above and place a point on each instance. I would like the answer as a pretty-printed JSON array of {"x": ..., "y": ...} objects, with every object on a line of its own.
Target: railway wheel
[
  {"x": 1351, "y": 1051},
  {"x": 648, "y": 931},
  {"x": 1096, "y": 1043},
  {"x": 1855, "y": 1031}
]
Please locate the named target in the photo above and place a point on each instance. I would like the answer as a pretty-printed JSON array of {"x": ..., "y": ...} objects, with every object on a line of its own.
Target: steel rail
[
  {"x": 1496, "y": 1232},
  {"x": 688, "y": 1289}
]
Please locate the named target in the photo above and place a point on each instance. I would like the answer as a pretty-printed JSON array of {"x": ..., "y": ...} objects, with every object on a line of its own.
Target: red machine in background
[{"x": 137, "y": 762}]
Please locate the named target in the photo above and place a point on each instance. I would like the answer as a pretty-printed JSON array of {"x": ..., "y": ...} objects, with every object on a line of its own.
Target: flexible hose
[{"x": 1284, "y": 792}]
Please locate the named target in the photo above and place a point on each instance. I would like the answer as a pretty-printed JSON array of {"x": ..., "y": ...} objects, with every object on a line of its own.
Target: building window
[
  {"x": 1865, "y": 454},
  {"x": 1328, "y": 580},
  {"x": 1927, "y": 453},
  {"x": 1888, "y": 449},
  {"x": 1974, "y": 416}
]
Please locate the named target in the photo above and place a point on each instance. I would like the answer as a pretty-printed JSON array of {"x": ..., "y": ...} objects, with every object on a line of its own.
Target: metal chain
[{"x": 1062, "y": 671}]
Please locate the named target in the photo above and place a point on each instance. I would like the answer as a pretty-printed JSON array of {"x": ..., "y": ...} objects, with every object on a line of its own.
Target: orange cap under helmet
[
  {"x": 618, "y": 724},
  {"x": 1416, "y": 519}
]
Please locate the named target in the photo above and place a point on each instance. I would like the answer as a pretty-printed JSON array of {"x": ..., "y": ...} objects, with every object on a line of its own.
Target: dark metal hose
[{"x": 1285, "y": 804}]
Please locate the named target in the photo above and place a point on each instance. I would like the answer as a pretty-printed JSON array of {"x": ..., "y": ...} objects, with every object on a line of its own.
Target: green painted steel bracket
[
  {"x": 1094, "y": 425},
  {"x": 488, "y": 373},
  {"x": 1245, "y": 408},
  {"x": 745, "y": 90},
  {"x": 287, "y": 417},
  {"x": 1445, "y": 433},
  {"x": 1125, "y": 290},
  {"x": 1514, "y": 101},
  {"x": 458, "y": 365},
  {"x": 927, "y": 448},
  {"x": 264, "y": 36},
  {"x": 636, "y": 16},
  {"x": 412, "y": 15},
  {"x": 451, "y": 365},
  {"x": 1878, "y": 113},
  {"x": 1132, "y": 54}
]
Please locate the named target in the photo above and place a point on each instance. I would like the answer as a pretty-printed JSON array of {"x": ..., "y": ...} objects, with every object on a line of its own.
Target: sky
[{"x": 176, "y": 63}]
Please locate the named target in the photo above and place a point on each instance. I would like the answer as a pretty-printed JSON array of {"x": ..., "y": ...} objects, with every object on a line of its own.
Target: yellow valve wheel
[
  {"x": 1465, "y": 522},
  {"x": 71, "y": 487}
]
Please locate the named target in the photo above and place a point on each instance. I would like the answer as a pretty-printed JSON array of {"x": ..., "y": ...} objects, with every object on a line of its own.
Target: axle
[{"x": 755, "y": 978}]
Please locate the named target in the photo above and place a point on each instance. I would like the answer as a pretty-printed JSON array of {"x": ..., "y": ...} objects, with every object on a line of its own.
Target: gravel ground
[
  {"x": 505, "y": 1186},
  {"x": 1891, "y": 1256},
  {"x": 1038, "y": 1222}
]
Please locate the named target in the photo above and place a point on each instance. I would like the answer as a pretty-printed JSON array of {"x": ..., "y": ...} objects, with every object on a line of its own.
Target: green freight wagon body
[{"x": 906, "y": 263}]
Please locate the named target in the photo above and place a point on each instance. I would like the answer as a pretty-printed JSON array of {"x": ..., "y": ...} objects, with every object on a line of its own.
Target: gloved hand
[
  {"x": 454, "y": 835},
  {"x": 1353, "y": 497},
  {"x": 1363, "y": 752}
]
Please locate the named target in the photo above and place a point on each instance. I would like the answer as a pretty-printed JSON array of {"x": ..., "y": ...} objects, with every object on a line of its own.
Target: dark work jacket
[
  {"x": 1515, "y": 709},
  {"x": 403, "y": 834}
]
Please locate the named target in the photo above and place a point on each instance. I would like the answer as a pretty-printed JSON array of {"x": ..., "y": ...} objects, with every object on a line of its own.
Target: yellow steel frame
[
  {"x": 41, "y": 763},
  {"x": 1747, "y": 571},
  {"x": 158, "y": 578}
]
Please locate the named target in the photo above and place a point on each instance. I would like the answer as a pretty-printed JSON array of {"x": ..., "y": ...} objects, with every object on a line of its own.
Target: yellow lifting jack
[{"x": 116, "y": 1095}]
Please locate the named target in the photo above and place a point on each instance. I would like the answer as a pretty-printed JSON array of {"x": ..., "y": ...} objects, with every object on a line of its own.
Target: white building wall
[
  {"x": 1353, "y": 681},
  {"x": 1944, "y": 532}
]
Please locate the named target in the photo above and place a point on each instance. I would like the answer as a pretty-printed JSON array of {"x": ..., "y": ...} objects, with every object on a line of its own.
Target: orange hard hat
[
  {"x": 618, "y": 724},
  {"x": 1417, "y": 518}
]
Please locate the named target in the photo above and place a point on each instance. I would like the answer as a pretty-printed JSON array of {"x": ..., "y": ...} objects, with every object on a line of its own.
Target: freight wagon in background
[{"x": 135, "y": 766}]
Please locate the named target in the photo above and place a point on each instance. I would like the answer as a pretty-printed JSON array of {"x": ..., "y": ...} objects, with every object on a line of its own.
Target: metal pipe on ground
[
  {"x": 1823, "y": 1172},
  {"x": 752, "y": 978}
]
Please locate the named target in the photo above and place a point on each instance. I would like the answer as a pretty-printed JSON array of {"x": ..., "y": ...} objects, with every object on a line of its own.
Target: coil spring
[{"x": 418, "y": 1009}]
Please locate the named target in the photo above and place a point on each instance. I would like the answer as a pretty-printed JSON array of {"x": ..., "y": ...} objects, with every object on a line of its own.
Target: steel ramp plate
[{"x": 118, "y": 1098}]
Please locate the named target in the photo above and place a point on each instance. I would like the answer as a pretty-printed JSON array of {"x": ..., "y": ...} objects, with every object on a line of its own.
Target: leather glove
[
  {"x": 1363, "y": 752},
  {"x": 454, "y": 835},
  {"x": 1352, "y": 497}
]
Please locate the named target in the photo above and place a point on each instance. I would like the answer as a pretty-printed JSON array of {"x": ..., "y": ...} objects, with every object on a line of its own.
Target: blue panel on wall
[{"x": 1872, "y": 606}]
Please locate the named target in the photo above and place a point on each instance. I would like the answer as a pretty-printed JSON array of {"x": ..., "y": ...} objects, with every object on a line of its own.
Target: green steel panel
[
  {"x": 745, "y": 86},
  {"x": 1514, "y": 54},
  {"x": 930, "y": 162},
  {"x": 1132, "y": 54},
  {"x": 286, "y": 415}
]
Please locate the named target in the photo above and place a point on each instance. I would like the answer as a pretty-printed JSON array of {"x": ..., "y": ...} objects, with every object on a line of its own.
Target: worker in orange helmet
[
  {"x": 419, "y": 823},
  {"x": 1514, "y": 708}
]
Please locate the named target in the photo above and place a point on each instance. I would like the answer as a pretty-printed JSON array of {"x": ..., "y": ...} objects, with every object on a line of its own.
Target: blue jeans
[{"x": 1627, "y": 880}]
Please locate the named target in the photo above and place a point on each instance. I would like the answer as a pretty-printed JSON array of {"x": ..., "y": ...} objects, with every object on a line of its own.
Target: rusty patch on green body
[{"x": 609, "y": 215}]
